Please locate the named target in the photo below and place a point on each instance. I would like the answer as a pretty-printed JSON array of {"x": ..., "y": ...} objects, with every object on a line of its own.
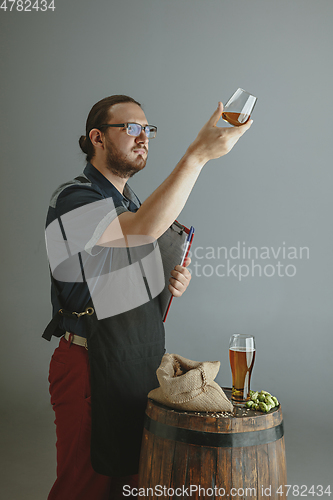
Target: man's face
[{"x": 125, "y": 155}]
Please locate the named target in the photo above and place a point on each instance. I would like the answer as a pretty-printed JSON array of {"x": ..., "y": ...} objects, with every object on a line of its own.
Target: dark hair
[{"x": 100, "y": 113}]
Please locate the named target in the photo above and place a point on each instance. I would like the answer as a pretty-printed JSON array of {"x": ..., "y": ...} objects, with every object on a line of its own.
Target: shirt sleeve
[
  {"x": 88, "y": 214},
  {"x": 82, "y": 215},
  {"x": 78, "y": 195}
]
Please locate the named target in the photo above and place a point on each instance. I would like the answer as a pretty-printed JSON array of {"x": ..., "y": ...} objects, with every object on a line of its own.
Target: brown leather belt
[{"x": 76, "y": 339}]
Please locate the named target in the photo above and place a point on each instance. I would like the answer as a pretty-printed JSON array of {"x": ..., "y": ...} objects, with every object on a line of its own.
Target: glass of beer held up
[
  {"x": 238, "y": 109},
  {"x": 242, "y": 352}
]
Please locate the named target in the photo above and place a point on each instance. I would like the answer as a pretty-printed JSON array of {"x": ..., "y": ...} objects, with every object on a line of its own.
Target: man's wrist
[{"x": 194, "y": 158}]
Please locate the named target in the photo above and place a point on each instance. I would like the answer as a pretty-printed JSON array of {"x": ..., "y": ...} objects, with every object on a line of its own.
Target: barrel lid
[
  {"x": 239, "y": 420},
  {"x": 238, "y": 411}
]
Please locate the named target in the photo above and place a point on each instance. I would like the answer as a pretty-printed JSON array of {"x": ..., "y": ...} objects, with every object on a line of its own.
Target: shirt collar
[{"x": 110, "y": 190}]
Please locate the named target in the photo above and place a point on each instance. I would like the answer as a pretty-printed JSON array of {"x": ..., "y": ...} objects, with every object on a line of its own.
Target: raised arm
[{"x": 164, "y": 205}]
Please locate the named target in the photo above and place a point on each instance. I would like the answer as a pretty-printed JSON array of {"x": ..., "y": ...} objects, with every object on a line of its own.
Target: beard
[{"x": 119, "y": 164}]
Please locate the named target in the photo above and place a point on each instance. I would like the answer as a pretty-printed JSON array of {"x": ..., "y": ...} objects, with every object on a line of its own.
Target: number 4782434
[
  {"x": 27, "y": 5},
  {"x": 303, "y": 491}
]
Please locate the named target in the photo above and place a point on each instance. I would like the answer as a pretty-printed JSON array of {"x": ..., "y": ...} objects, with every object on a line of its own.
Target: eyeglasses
[{"x": 134, "y": 129}]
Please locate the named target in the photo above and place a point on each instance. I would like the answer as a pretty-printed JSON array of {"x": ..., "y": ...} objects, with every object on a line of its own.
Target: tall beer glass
[{"x": 242, "y": 352}]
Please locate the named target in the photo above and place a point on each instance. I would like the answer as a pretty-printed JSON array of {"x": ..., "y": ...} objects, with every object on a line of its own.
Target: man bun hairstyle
[
  {"x": 100, "y": 113},
  {"x": 83, "y": 144}
]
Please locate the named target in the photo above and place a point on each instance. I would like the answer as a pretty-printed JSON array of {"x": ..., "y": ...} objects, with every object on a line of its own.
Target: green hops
[
  {"x": 263, "y": 407},
  {"x": 263, "y": 401},
  {"x": 269, "y": 400},
  {"x": 254, "y": 395}
]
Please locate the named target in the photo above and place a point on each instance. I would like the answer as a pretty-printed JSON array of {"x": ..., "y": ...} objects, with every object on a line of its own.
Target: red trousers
[{"x": 70, "y": 396}]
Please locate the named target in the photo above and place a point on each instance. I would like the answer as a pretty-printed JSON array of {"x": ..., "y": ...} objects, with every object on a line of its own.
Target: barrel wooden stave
[
  {"x": 169, "y": 450},
  {"x": 201, "y": 467}
]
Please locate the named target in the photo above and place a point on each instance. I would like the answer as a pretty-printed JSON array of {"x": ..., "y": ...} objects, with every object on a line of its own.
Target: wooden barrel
[{"x": 212, "y": 455}]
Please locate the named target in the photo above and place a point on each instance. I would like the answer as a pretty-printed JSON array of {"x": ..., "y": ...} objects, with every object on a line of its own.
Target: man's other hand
[{"x": 181, "y": 278}]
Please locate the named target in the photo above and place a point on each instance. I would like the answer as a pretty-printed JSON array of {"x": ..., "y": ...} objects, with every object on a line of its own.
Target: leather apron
[{"x": 123, "y": 364}]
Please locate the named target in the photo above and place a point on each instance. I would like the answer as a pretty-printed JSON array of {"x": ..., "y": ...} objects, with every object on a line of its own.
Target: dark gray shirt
[{"x": 89, "y": 187}]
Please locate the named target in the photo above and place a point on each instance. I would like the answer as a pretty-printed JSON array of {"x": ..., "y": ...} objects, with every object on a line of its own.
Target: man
[{"x": 125, "y": 347}]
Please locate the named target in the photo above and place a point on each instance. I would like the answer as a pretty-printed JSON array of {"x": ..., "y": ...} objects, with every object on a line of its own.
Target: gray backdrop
[{"x": 179, "y": 58}]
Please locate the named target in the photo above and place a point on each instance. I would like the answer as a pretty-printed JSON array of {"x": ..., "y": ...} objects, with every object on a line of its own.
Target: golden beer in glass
[
  {"x": 238, "y": 108},
  {"x": 242, "y": 352}
]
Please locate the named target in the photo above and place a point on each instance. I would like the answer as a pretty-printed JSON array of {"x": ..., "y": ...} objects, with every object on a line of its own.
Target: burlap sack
[{"x": 189, "y": 385}]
